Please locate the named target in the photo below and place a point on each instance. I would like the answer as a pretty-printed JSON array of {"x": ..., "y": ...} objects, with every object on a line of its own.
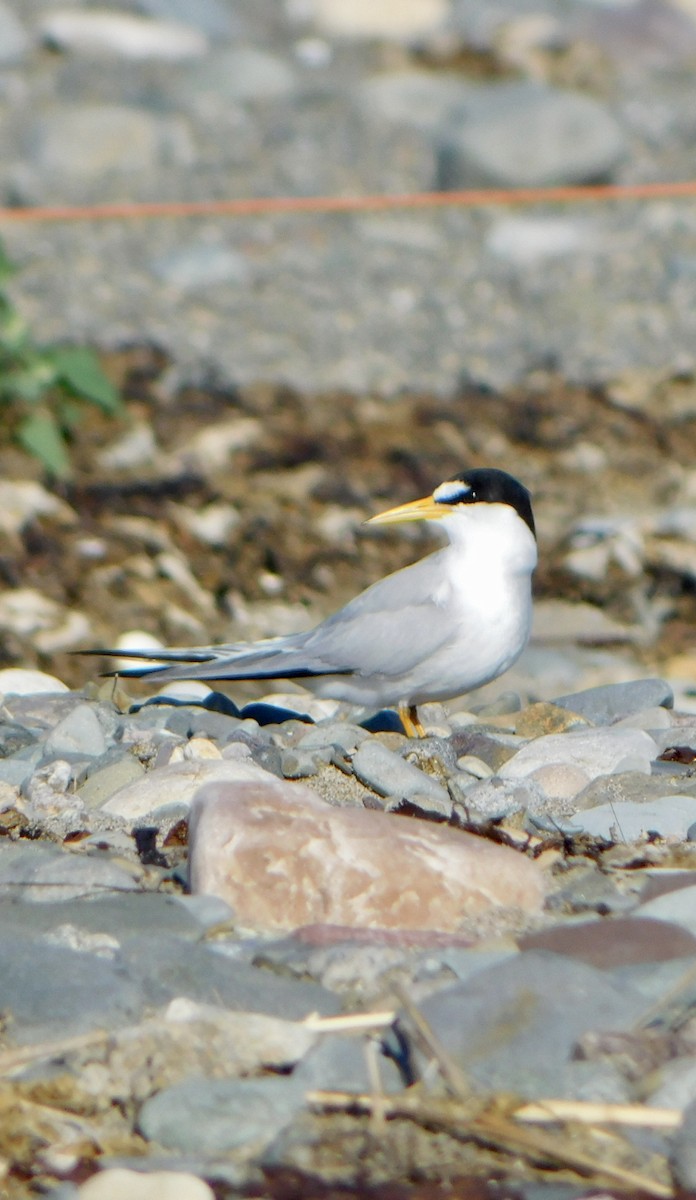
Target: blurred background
[{"x": 263, "y": 384}]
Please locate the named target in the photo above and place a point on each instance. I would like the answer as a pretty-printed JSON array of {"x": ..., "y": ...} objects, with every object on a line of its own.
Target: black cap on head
[{"x": 487, "y": 485}]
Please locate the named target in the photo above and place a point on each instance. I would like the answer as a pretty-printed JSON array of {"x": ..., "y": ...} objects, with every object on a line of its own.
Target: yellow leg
[{"x": 409, "y": 719}]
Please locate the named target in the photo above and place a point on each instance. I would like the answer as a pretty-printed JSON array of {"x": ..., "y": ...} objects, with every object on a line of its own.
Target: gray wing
[{"x": 386, "y": 630}]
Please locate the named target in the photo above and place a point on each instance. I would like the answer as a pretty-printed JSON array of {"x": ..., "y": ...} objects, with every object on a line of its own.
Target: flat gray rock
[
  {"x": 522, "y": 134},
  {"x": 667, "y": 816},
  {"x": 514, "y": 1026},
  {"x": 613, "y": 701},
  {"x": 390, "y": 775},
  {"x": 43, "y": 873},
  {"x": 217, "y": 1115},
  {"x": 78, "y": 733}
]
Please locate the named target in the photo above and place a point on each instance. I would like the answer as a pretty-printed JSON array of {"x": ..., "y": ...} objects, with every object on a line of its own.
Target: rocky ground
[{"x": 261, "y": 944}]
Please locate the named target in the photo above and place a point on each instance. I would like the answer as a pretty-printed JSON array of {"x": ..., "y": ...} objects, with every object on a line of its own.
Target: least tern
[{"x": 433, "y": 630}]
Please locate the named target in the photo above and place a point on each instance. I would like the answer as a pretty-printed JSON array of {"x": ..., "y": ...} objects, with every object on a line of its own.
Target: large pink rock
[{"x": 282, "y": 857}]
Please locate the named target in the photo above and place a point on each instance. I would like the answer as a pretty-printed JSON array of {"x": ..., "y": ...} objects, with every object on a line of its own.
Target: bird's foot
[{"x": 409, "y": 719}]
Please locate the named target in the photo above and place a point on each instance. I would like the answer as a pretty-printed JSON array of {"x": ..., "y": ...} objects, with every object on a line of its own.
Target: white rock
[
  {"x": 118, "y": 1183},
  {"x": 525, "y": 241},
  {"x": 213, "y": 447},
  {"x": 20, "y": 681},
  {"x": 72, "y": 631},
  {"x": 394, "y": 19},
  {"x": 22, "y": 500},
  {"x": 178, "y": 784},
  {"x": 212, "y": 524},
  {"x": 125, "y": 35},
  {"x": 25, "y": 610},
  {"x": 134, "y": 449},
  {"x": 578, "y": 756}
]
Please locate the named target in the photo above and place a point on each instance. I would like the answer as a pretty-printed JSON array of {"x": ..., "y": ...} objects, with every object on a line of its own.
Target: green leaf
[
  {"x": 29, "y": 383},
  {"x": 79, "y": 370},
  {"x": 40, "y": 435},
  {"x": 7, "y": 267}
]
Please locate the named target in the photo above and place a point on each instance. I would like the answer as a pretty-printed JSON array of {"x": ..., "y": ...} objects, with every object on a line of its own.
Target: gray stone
[
  {"x": 212, "y": 17},
  {"x": 525, "y": 135},
  {"x": 85, "y": 142},
  {"x": 41, "y": 710},
  {"x": 423, "y": 99},
  {"x": 122, "y": 35},
  {"x": 14, "y": 43},
  {"x": 236, "y": 76},
  {"x": 190, "y": 720},
  {"x": 632, "y": 786},
  {"x": 113, "y": 917},
  {"x": 677, "y": 1086},
  {"x": 678, "y": 906},
  {"x": 495, "y": 798},
  {"x": 683, "y": 1151},
  {"x": 301, "y": 764},
  {"x": 493, "y": 746},
  {"x": 342, "y": 734},
  {"x": 41, "y": 872},
  {"x": 217, "y": 1115},
  {"x": 14, "y": 737},
  {"x": 339, "y": 1062},
  {"x": 389, "y": 775},
  {"x": 667, "y": 816},
  {"x": 17, "y": 769},
  {"x": 193, "y": 267},
  {"x": 54, "y": 991},
  {"x": 101, "y": 783},
  {"x": 613, "y": 701},
  {"x": 209, "y": 975},
  {"x": 78, "y": 733},
  {"x": 515, "y": 1026}
]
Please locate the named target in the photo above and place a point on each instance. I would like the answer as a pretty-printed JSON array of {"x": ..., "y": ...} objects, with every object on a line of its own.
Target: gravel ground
[{"x": 285, "y": 379}]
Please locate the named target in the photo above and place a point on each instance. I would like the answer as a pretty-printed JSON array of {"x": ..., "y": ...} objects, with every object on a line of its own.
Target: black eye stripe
[{"x": 486, "y": 485}]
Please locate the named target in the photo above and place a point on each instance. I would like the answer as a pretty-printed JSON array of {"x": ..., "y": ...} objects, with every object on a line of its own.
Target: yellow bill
[{"x": 426, "y": 509}]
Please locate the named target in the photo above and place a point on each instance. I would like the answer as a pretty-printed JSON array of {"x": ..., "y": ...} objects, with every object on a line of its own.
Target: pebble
[
  {"x": 124, "y": 35},
  {"x": 83, "y": 143},
  {"x": 576, "y": 139},
  {"x": 683, "y": 1153},
  {"x": 346, "y": 866},
  {"x": 520, "y": 1020},
  {"x": 617, "y": 701},
  {"x": 565, "y": 763},
  {"x": 14, "y": 40},
  {"x": 377, "y": 18},
  {"x": 390, "y": 775},
  {"x": 237, "y": 76},
  {"x": 118, "y": 1183},
  {"x": 212, "y": 1116},
  {"x": 667, "y": 817},
  {"x": 78, "y": 733},
  {"x": 23, "y": 682},
  {"x": 177, "y": 785}
]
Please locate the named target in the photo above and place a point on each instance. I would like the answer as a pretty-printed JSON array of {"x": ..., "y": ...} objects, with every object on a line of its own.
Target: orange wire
[{"x": 266, "y": 205}]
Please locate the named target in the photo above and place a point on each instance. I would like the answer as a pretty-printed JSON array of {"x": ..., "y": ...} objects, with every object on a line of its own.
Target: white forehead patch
[{"x": 451, "y": 492}]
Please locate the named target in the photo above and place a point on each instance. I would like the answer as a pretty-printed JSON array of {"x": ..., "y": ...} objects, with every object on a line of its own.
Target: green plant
[{"x": 43, "y": 389}]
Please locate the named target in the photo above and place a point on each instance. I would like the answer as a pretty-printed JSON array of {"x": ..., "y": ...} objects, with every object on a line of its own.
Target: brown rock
[
  {"x": 283, "y": 858},
  {"x": 543, "y": 717},
  {"x": 617, "y": 943}
]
